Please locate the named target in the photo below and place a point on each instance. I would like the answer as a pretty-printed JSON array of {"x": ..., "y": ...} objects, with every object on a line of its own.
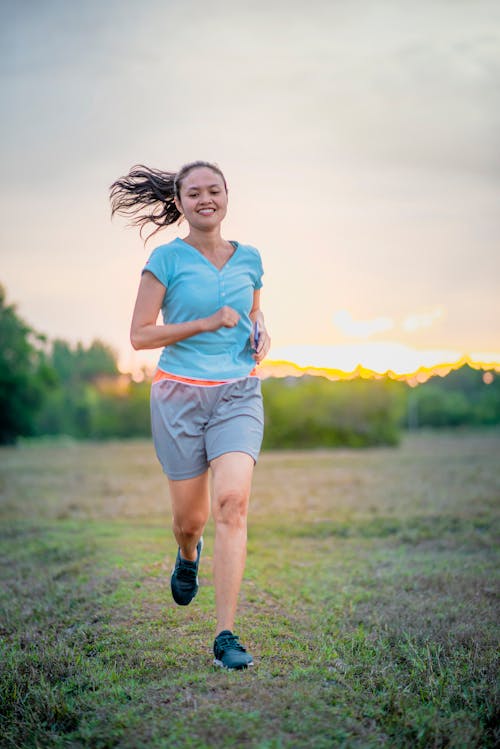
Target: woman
[{"x": 206, "y": 403}]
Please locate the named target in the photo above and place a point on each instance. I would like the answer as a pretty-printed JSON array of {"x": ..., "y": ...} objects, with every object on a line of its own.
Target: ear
[{"x": 178, "y": 205}]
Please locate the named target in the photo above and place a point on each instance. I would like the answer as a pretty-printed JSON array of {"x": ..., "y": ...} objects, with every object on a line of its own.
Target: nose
[{"x": 205, "y": 197}]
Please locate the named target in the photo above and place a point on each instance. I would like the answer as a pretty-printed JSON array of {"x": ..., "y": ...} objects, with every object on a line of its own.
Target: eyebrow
[{"x": 195, "y": 187}]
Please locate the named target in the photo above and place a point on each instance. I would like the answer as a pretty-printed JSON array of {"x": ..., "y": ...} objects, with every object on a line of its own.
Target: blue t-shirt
[{"x": 195, "y": 288}]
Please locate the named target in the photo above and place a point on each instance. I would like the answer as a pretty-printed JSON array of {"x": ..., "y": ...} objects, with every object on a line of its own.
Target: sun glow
[
  {"x": 429, "y": 365},
  {"x": 368, "y": 361}
]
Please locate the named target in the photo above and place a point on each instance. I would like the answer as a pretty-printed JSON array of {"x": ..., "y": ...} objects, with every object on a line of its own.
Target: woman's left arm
[{"x": 264, "y": 337}]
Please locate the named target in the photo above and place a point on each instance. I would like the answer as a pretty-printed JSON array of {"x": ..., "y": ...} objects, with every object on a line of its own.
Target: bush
[
  {"x": 315, "y": 412},
  {"x": 464, "y": 397}
]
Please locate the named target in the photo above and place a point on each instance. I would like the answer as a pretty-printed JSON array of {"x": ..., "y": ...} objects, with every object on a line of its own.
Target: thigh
[
  {"x": 232, "y": 480},
  {"x": 190, "y": 499}
]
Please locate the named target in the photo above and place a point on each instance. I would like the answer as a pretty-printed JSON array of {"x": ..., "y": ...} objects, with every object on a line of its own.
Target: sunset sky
[{"x": 360, "y": 141}]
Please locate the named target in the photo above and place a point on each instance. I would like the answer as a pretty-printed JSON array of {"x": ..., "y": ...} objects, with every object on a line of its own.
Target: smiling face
[{"x": 202, "y": 198}]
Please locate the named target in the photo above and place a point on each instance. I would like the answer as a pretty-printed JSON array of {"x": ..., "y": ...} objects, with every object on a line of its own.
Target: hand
[
  {"x": 225, "y": 317},
  {"x": 263, "y": 346}
]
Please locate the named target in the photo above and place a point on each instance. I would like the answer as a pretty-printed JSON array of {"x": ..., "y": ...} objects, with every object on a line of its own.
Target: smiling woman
[
  {"x": 206, "y": 402},
  {"x": 150, "y": 196}
]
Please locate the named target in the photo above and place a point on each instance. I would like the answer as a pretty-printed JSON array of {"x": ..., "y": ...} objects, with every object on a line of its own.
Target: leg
[
  {"x": 190, "y": 509},
  {"x": 232, "y": 479}
]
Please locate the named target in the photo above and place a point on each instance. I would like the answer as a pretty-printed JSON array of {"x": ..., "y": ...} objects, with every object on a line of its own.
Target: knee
[
  {"x": 191, "y": 527},
  {"x": 231, "y": 508}
]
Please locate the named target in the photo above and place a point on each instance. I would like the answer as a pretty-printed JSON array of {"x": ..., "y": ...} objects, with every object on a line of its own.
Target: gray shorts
[{"x": 194, "y": 424}]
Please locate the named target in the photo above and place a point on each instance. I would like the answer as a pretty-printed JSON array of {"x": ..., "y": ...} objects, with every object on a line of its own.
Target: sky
[{"x": 360, "y": 141}]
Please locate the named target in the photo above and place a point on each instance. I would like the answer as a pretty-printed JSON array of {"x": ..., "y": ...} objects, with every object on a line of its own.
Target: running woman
[{"x": 206, "y": 402}]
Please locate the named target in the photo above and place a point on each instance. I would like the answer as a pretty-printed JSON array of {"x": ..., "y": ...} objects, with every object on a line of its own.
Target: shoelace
[
  {"x": 187, "y": 574},
  {"x": 230, "y": 642}
]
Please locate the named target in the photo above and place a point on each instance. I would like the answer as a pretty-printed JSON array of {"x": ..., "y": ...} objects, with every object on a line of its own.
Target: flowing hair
[{"x": 148, "y": 195}]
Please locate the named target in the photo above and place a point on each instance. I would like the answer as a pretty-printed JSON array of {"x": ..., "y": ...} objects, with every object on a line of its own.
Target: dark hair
[{"x": 145, "y": 188}]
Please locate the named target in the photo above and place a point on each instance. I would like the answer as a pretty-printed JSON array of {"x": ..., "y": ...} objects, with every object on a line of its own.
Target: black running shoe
[
  {"x": 229, "y": 653},
  {"x": 184, "y": 579}
]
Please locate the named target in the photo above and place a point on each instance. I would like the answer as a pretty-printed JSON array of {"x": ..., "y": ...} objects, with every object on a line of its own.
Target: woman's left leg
[{"x": 232, "y": 480}]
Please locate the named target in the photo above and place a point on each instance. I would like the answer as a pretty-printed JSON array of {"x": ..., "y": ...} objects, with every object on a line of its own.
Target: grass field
[{"x": 370, "y": 602}]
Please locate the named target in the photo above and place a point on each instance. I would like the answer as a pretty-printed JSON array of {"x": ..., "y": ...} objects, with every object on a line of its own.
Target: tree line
[{"x": 55, "y": 388}]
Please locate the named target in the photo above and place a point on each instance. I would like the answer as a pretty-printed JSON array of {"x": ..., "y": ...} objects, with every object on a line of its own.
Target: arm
[
  {"x": 264, "y": 339},
  {"x": 145, "y": 333}
]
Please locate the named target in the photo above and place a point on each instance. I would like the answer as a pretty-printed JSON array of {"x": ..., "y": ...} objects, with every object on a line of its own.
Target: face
[{"x": 203, "y": 198}]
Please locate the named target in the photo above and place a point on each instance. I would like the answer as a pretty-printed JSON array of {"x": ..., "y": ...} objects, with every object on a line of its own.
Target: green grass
[{"x": 370, "y": 602}]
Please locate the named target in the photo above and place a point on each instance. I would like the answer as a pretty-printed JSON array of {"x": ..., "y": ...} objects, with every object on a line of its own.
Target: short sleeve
[
  {"x": 258, "y": 269},
  {"x": 160, "y": 264}
]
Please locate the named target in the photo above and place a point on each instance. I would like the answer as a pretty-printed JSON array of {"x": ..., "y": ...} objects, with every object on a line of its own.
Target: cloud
[
  {"x": 343, "y": 320},
  {"x": 421, "y": 320}
]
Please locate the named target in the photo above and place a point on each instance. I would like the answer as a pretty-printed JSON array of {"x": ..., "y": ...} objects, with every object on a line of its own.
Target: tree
[
  {"x": 69, "y": 409},
  {"x": 24, "y": 374},
  {"x": 80, "y": 364},
  {"x": 466, "y": 396}
]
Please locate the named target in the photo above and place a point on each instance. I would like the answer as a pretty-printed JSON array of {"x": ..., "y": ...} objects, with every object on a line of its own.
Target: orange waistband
[{"x": 161, "y": 375}]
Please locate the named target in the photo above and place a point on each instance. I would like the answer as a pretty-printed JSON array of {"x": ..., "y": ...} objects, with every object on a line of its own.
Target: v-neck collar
[{"x": 209, "y": 262}]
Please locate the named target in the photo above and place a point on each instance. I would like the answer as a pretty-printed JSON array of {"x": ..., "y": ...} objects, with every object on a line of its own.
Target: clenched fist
[{"x": 225, "y": 317}]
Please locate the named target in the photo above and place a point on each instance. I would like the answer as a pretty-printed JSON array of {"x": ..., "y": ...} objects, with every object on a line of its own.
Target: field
[{"x": 370, "y": 602}]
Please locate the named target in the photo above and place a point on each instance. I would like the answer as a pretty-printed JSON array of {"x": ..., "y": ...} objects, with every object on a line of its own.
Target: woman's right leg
[{"x": 190, "y": 499}]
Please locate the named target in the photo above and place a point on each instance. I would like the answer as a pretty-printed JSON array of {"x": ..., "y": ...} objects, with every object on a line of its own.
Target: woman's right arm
[{"x": 145, "y": 333}]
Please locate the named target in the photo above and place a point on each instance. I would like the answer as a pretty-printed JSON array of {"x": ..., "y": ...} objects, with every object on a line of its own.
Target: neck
[{"x": 207, "y": 241}]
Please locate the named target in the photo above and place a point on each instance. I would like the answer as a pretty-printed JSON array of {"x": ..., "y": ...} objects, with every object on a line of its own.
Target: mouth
[{"x": 206, "y": 211}]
